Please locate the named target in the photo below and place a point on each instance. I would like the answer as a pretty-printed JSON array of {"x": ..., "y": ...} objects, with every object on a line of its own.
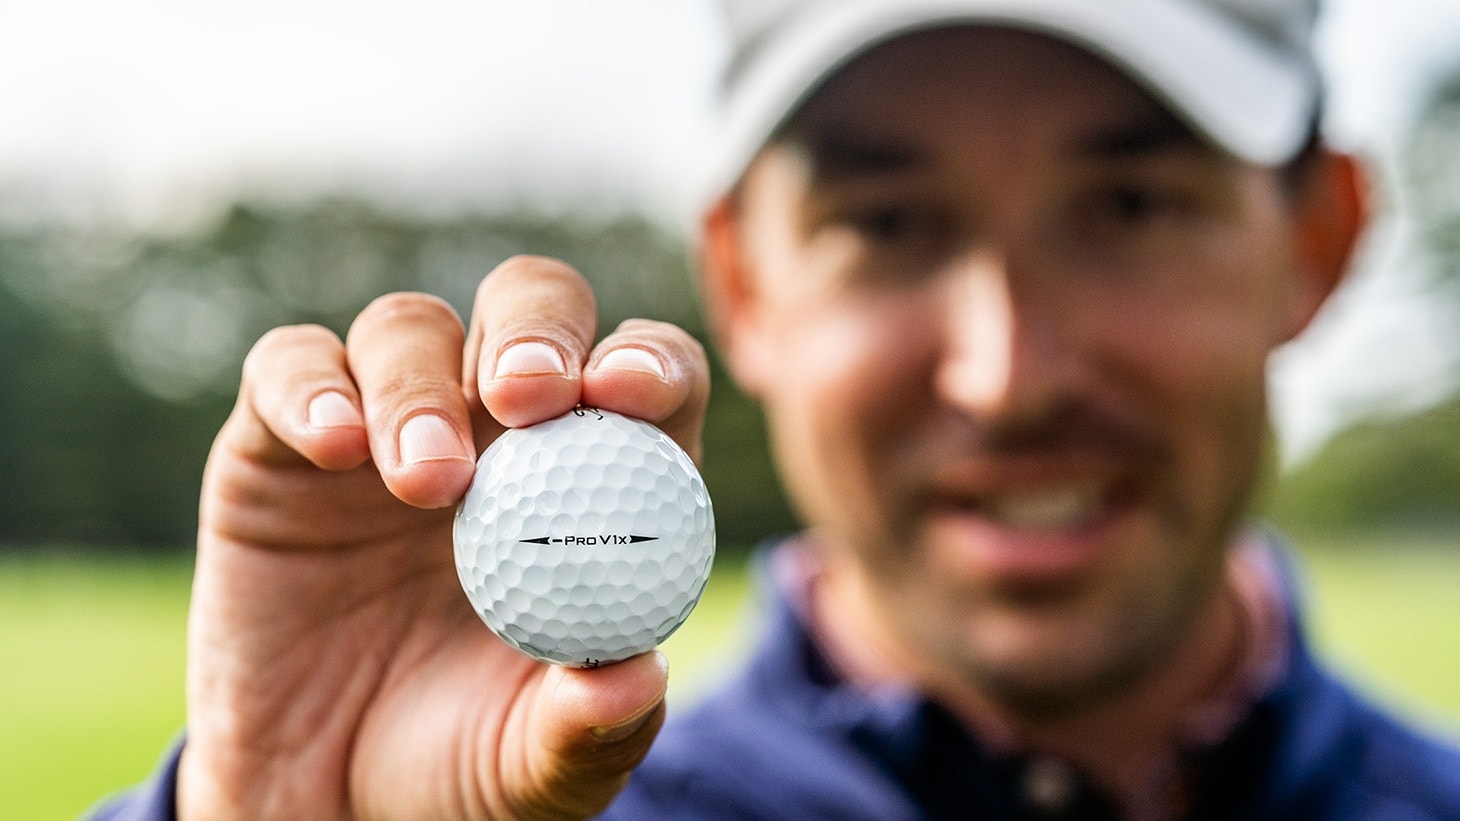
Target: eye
[
  {"x": 886, "y": 223},
  {"x": 897, "y": 224},
  {"x": 1136, "y": 204},
  {"x": 1125, "y": 210}
]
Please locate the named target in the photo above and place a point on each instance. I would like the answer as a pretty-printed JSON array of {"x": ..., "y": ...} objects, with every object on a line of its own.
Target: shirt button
[{"x": 1049, "y": 785}]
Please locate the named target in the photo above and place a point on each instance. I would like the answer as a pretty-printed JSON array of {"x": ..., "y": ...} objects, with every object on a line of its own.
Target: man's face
[{"x": 1009, "y": 322}]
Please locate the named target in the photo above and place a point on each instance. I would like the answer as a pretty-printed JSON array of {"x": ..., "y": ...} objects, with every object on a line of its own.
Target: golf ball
[{"x": 586, "y": 539}]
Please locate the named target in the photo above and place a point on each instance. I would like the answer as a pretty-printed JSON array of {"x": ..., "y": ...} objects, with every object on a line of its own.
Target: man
[{"x": 1005, "y": 277}]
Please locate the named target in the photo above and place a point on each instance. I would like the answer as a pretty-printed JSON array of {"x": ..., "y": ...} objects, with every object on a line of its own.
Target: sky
[
  {"x": 158, "y": 112},
  {"x": 153, "y": 108}
]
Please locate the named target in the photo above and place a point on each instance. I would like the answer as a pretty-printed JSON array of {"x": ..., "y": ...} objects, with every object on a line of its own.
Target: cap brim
[{"x": 1251, "y": 97}]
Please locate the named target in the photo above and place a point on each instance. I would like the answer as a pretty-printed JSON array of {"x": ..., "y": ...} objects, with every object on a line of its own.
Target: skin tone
[
  {"x": 1013, "y": 376},
  {"x": 1011, "y": 337},
  {"x": 336, "y": 669}
]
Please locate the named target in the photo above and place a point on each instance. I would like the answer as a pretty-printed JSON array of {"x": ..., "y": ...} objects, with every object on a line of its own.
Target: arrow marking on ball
[{"x": 608, "y": 538}]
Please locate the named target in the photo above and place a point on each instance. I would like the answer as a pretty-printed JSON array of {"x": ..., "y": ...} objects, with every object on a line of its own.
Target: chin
[
  {"x": 1058, "y": 661},
  {"x": 1051, "y": 688}
]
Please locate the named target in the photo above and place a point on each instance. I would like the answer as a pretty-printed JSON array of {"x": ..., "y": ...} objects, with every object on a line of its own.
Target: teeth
[{"x": 1044, "y": 509}]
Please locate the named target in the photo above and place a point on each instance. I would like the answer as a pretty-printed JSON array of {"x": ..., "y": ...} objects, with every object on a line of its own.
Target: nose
[{"x": 1005, "y": 355}]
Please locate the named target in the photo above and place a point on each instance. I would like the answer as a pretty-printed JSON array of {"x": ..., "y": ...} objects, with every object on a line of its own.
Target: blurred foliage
[
  {"x": 123, "y": 354},
  {"x": 85, "y": 456},
  {"x": 1431, "y": 181},
  {"x": 1401, "y": 472},
  {"x": 1382, "y": 474},
  {"x": 123, "y": 351},
  {"x": 1432, "y": 177}
]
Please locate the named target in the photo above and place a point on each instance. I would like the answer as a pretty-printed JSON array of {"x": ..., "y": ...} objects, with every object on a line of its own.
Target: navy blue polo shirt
[{"x": 787, "y": 739}]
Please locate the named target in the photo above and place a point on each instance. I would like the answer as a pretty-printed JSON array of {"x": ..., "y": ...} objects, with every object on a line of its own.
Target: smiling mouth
[
  {"x": 1058, "y": 508},
  {"x": 1050, "y": 534}
]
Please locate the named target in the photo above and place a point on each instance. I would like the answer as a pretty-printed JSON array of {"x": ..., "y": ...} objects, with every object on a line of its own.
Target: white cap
[{"x": 1241, "y": 72}]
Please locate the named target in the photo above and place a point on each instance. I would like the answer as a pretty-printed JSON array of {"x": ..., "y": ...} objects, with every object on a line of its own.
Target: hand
[{"x": 336, "y": 669}]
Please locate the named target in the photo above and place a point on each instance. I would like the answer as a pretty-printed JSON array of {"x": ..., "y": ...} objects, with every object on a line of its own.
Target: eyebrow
[
  {"x": 1129, "y": 141},
  {"x": 843, "y": 155}
]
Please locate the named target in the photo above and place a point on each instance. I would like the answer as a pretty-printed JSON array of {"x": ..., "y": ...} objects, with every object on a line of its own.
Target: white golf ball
[{"x": 586, "y": 539}]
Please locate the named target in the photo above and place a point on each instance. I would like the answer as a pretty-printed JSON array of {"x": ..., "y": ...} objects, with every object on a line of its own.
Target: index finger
[{"x": 532, "y": 328}]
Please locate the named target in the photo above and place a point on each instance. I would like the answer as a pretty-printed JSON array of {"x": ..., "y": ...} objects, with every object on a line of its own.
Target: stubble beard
[{"x": 1142, "y": 637}]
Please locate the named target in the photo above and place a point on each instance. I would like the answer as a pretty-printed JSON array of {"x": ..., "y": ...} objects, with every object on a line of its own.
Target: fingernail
[
  {"x": 624, "y": 729},
  {"x": 333, "y": 409},
  {"x": 526, "y": 358},
  {"x": 632, "y": 359},
  {"x": 427, "y": 437}
]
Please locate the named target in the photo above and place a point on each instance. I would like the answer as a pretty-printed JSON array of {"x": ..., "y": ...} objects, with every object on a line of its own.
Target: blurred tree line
[
  {"x": 1389, "y": 472},
  {"x": 1432, "y": 184},
  {"x": 123, "y": 352}
]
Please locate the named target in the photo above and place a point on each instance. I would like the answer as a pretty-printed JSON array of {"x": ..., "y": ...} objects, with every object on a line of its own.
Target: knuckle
[
  {"x": 648, "y": 327},
  {"x": 534, "y": 265},
  {"x": 289, "y": 336},
  {"x": 550, "y": 330},
  {"x": 532, "y": 297},
  {"x": 665, "y": 334},
  {"x": 406, "y": 307},
  {"x": 412, "y": 390},
  {"x": 525, "y": 272},
  {"x": 282, "y": 344}
]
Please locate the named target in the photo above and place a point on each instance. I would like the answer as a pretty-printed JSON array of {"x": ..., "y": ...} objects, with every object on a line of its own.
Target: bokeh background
[{"x": 176, "y": 177}]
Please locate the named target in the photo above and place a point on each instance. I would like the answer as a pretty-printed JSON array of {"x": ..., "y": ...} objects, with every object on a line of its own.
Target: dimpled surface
[{"x": 585, "y": 539}]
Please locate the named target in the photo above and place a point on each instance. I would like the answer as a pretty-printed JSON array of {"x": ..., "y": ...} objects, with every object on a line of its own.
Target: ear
[
  {"x": 1330, "y": 214},
  {"x": 732, "y": 297}
]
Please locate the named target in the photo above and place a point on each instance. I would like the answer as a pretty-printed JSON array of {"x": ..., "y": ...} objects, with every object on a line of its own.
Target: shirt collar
[{"x": 897, "y": 723}]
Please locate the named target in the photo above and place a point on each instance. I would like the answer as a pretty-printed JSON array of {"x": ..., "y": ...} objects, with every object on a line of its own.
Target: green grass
[
  {"x": 91, "y": 664},
  {"x": 91, "y": 655},
  {"x": 1387, "y": 613}
]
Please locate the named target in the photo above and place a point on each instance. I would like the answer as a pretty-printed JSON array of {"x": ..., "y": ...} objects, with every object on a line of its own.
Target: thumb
[{"x": 587, "y": 730}]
